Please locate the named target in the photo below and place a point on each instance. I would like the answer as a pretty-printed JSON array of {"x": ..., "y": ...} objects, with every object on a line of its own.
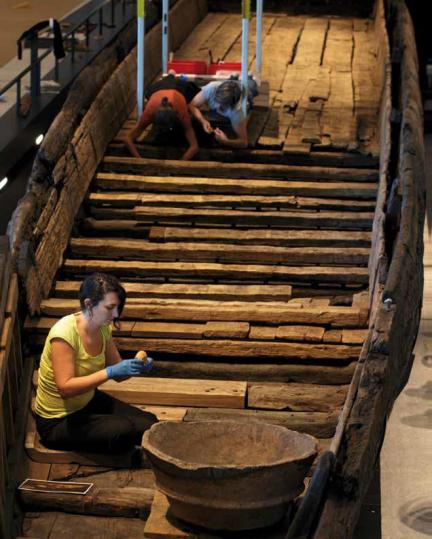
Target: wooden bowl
[{"x": 229, "y": 475}]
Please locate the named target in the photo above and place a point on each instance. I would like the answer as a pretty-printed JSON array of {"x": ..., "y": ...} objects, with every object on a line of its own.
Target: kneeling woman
[
  {"x": 167, "y": 109},
  {"x": 80, "y": 355},
  {"x": 225, "y": 98}
]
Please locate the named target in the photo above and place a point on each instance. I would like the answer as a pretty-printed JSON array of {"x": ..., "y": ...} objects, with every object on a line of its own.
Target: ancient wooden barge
[{"x": 281, "y": 283}]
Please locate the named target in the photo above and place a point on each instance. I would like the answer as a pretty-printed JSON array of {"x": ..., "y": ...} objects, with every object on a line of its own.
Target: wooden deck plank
[
  {"x": 338, "y": 119},
  {"x": 212, "y": 252},
  {"x": 129, "y": 200},
  {"x": 296, "y": 397},
  {"x": 225, "y": 311},
  {"x": 338, "y": 51},
  {"x": 312, "y": 41},
  {"x": 194, "y": 47},
  {"x": 315, "y": 373},
  {"x": 189, "y": 270},
  {"x": 222, "y": 40},
  {"x": 270, "y": 154},
  {"x": 342, "y": 188},
  {"x": 164, "y": 215},
  {"x": 254, "y": 236},
  {"x": 212, "y": 169},
  {"x": 287, "y": 238},
  {"x": 254, "y": 350},
  {"x": 230, "y": 330},
  {"x": 185, "y": 392},
  {"x": 197, "y": 291}
]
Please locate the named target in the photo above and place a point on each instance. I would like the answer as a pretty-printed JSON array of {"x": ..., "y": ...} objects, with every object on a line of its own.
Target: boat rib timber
[{"x": 267, "y": 269}]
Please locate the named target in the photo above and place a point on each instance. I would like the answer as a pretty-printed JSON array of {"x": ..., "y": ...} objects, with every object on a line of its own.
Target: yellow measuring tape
[
  {"x": 140, "y": 8},
  {"x": 246, "y": 9}
]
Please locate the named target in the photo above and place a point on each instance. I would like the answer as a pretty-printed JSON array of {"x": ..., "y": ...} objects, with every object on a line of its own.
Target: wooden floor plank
[
  {"x": 254, "y": 236},
  {"x": 211, "y": 252},
  {"x": 312, "y": 41},
  {"x": 223, "y": 292},
  {"x": 254, "y": 350},
  {"x": 314, "y": 373},
  {"x": 194, "y": 47},
  {"x": 221, "y": 41},
  {"x": 232, "y": 170},
  {"x": 185, "y": 392},
  {"x": 194, "y": 311},
  {"x": 208, "y": 330},
  {"x": 339, "y": 45},
  {"x": 343, "y": 189},
  {"x": 190, "y": 270},
  {"x": 130, "y": 200},
  {"x": 287, "y": 238},
  {"x": 307, "y": 219},
  {"x": 270, "y": 153},
  {"x": 296, "y": 397}
]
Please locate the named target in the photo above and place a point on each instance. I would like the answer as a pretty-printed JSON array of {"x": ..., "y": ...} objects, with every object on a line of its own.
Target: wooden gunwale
[
  {"x": 396, "y": 303},
  {"x": 373, "y": 377}
]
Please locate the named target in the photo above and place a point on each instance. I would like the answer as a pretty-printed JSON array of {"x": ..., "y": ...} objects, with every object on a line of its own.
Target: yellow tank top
[{"x": 49, "y": 403}]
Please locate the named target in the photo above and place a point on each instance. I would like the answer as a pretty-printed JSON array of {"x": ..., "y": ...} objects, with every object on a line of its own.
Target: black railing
[{"x": 84, "y": 26}]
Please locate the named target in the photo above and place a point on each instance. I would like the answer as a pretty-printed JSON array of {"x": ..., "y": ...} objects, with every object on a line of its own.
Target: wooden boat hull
[{"x": 378, "y": 327}]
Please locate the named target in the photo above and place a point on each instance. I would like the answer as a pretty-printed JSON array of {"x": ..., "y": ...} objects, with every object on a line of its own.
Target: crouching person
[{"x": 79, "y": 355}]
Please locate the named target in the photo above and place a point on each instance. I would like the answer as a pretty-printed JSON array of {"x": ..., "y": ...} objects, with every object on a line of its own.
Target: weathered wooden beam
[
  {"x": 296, "y": 397},
  {"x": 286, "y": 238},
  {"x": 245, "y": 272},
  {"x": 211, "y": 252},
  {"x": 118, "y": 199},
  {"x": 313, "y": 372},
  {"x": 342, "y": 220},
  {"x": 234, "y": 170},
  {"x": 185, "y": 392},
  {"x": 255, "y": 155},
  {"x": 221, "y": 292},
  {"x": 344, "y": 189},
  {"x": 254, "y": 236},
  {"x": 254, "y": 350},
  {"x": 273, "y": 313},
  {"x": 112, "y": 501}
]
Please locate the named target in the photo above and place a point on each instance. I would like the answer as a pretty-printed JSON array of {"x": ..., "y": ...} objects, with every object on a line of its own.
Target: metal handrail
[{"x": 69, "y": 35}]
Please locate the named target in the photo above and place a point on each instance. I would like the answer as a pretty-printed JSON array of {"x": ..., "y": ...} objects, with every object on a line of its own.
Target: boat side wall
[
  {"x": 41, "y": 225},
  {"x": 394, "y": 323}
]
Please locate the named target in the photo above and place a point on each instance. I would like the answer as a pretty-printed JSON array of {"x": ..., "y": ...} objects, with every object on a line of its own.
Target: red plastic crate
[
  {"x": 191, "y": 67},
  {"x": 224, "y": 66}
]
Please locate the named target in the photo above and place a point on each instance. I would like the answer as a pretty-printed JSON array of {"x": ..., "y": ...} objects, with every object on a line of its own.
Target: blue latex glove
[
  {"x": 127, "y": 367},
  {"x": 149, "y": 364}
]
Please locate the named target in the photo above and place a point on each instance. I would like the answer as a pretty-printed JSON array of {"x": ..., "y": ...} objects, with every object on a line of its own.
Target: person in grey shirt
[{"x": 225, "y": 98}]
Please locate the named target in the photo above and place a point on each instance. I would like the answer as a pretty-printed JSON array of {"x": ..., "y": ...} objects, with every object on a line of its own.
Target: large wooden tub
[{"x": 228, "y": 475}]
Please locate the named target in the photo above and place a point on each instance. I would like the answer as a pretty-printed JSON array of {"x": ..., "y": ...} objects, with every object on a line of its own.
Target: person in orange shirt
[{"x": 167, "y": 109}]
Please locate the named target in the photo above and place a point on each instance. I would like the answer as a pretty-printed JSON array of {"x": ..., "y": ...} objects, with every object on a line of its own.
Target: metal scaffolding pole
[
  {"x": 245, "y": 52},
  {"x": 140, "y": 55},
  {"x": 258, "y": 44},
  {"x": 165, "y": 10}
]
